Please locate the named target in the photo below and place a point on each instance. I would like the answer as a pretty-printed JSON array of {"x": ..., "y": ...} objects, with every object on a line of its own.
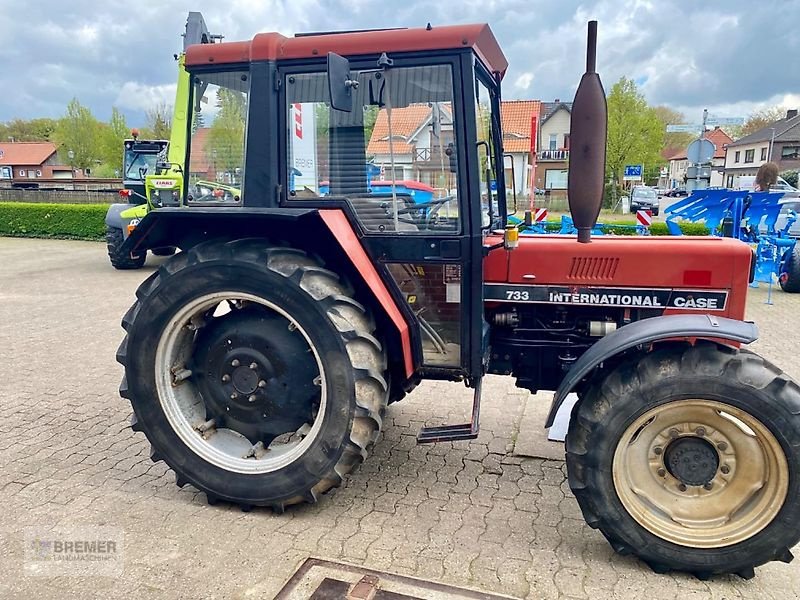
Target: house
[
  {"x": 518, "y": 118},
  {"x": 778, "y": 142},
  {"x": 23, "y": 161},
  {"x": 552, "y": 156},
  {"x": 679, "y": 162},
  {"x": 421, "y": 134}
]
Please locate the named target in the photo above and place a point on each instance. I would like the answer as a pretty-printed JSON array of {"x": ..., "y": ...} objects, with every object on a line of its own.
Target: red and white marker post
[{"x": 644, "y": 218}]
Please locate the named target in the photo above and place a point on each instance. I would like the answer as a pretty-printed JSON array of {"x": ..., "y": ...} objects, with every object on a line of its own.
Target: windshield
[
  {"x": 644, "y": 193},
  {"x": 138, "y": 164}
]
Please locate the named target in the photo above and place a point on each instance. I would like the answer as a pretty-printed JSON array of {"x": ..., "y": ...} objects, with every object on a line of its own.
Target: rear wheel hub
[{"x": 256, "y": 375}]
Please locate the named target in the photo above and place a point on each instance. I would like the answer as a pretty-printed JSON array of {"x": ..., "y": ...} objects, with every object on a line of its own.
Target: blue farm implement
[{"x": 751, "y": 217}]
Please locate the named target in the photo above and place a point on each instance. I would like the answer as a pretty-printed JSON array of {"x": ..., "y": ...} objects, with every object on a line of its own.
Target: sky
[{"x": 729, "y": 56}]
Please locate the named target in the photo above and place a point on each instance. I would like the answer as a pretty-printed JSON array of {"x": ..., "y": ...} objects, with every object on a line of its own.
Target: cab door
[{"x": 403, "y": 166}]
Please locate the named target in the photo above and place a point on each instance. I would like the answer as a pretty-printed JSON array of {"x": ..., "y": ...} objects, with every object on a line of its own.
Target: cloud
[
  {"x": 731, "y": 56},
  {"x": 141, "y": 97},
  {"x": 523, "y": 82}
]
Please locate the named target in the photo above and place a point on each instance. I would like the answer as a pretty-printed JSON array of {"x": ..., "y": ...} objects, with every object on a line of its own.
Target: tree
[
  {"x": 34, "y": 130},
  {"x": 225, "y": 145},
  {"x": 791, "y": 177},
  {"x": 158, "y": 122},
  {"x": 78, "y": 133},
  {"x": 668, "y": 116},
  {"x": 635, "y": 132},
  {"x": 113, "y": 135},
  {"x": 758, "y": 120}
]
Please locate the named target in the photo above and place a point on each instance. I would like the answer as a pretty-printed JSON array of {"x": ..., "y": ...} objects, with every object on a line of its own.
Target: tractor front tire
[
  {"x": 119, "y": 260},
  {"x": 253, "y": 372},
  {"x": 688, "y": 457},
  {"x": 790, "y": 275}
]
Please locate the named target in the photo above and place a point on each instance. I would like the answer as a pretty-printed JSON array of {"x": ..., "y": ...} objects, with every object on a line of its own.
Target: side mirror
[{"x": 340, "y": 85}]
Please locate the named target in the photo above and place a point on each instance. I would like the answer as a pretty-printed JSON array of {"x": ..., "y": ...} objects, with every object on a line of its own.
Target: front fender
[
  {"x": 119, "y": 215},
  {"x": 647, "y": 331}
]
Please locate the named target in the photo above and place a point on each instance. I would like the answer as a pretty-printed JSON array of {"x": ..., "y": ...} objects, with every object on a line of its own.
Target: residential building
[
  {"x": 778, "y": 142},
  {"x": 552, "y": 156},
  {"x": 419, "y": 147},
  {"x": 518, "y": 119},
  {"x": 679, "y": 163},
  {"x": 24, "y": 161}
]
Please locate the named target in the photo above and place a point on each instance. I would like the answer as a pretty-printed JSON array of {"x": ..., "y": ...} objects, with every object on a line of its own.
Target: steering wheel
[{"x": 433, "y": 205}]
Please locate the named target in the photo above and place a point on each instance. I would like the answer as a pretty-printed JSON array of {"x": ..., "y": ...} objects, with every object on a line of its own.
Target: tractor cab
[
  {"x": 396, "y": 132},
  {"x": 140, "y": 158}
]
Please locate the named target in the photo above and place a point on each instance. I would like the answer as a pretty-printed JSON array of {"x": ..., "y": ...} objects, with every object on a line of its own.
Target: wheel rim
[
  {"x": 201, "y": 422},
  {"x": 700, "y": 473}
]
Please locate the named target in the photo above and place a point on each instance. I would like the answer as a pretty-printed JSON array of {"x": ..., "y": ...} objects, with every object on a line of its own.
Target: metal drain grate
[{"x": 318, "y": 579}]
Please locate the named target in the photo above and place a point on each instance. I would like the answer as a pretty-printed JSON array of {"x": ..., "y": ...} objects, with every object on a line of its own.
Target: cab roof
[{"x": 276, "y": 47}]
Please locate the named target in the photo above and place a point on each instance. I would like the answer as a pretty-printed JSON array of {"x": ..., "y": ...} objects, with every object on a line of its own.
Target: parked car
[
  {"x": 677, "y": 193},
  {"x": 644, "y": 198}
]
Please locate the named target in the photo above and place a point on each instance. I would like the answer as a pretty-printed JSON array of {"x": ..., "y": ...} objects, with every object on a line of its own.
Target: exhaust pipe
[{"x": 587, "y": 158}]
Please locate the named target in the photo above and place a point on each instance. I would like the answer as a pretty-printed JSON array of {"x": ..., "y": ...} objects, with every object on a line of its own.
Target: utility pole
[{"x": 771, "y": 143}]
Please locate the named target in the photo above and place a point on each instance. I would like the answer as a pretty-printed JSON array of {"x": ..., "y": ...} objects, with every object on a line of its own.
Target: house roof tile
[
  {"x": 26, "y": 153},
  {"x": 515, "y": 117},
  {"x": 718, "y": 137},
  {"x": 516, "y": 122},
  {"x": 405, "y": 121}
]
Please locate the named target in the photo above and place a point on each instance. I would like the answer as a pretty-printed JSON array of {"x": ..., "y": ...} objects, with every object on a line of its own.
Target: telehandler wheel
[
  {"x": 688, "y": 457},
  {"x": 790, "y": 277},
  {"x": 114, "y": 240},
  {"x": 165, "y": 251},
  {"x": 253, "y": 372}
]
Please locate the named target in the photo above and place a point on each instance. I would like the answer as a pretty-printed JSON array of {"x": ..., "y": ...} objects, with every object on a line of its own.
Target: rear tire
[
  {"x": 120, "y": 260},
  {"x": 661, "y": 459},
  {"x": 311, "y": 343},
  {"x": 790, "y": 276}
]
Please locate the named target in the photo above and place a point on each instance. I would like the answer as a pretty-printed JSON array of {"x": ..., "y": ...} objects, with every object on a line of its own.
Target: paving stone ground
[{"x": 463, "y": 513}]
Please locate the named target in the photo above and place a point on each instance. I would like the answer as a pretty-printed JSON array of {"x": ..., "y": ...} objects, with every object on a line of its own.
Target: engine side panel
[{"x": 551, "y": 299}]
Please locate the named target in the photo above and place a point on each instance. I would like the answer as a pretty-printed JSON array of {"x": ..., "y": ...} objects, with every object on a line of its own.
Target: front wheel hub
[{"x": 692, "y": 460}]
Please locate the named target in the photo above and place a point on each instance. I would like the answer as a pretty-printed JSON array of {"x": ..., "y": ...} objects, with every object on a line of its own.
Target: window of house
[
  {"x": 749, "y": 156},
  {"x": 553, "y": 141},
  {"x": 729, "y": 182},
  {"x": 737, "y": 156},
  {"x": 566, "y": 141},
  {"x": 216, "y": 146},
  {"x": 764, "y": 153},
  {"x": 790, "y": 153},
  {"x": 555, "y": 179}
]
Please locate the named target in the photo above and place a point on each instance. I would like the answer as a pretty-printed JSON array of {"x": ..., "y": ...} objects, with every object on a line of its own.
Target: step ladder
[{"x": 454, "y": 433}]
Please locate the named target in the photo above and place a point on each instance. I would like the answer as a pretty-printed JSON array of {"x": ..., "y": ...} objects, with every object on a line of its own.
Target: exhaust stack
[{"x": 587, "y": 160}]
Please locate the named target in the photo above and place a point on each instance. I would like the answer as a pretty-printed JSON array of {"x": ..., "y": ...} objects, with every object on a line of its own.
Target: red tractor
[{"x": 260, "y": 359}]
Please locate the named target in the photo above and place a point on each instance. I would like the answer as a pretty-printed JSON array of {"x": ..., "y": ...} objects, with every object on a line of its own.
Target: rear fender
[
  {"x": 647, "y": 331},
  {"x": 327, "y": 232}
]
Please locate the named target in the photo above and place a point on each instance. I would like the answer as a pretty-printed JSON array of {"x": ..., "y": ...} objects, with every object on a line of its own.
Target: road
[{"x": 464, "y": 513}]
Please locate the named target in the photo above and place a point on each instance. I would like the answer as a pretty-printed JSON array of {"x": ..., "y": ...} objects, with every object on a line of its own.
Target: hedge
[
  {"x": 66, "y": 221},
  {"x": 627, "y": 228},
  {"x": 87, "y": 222}
]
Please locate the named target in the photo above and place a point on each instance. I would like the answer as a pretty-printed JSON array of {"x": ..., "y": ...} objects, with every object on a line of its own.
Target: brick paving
[{"x": 465, "y": 513}]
